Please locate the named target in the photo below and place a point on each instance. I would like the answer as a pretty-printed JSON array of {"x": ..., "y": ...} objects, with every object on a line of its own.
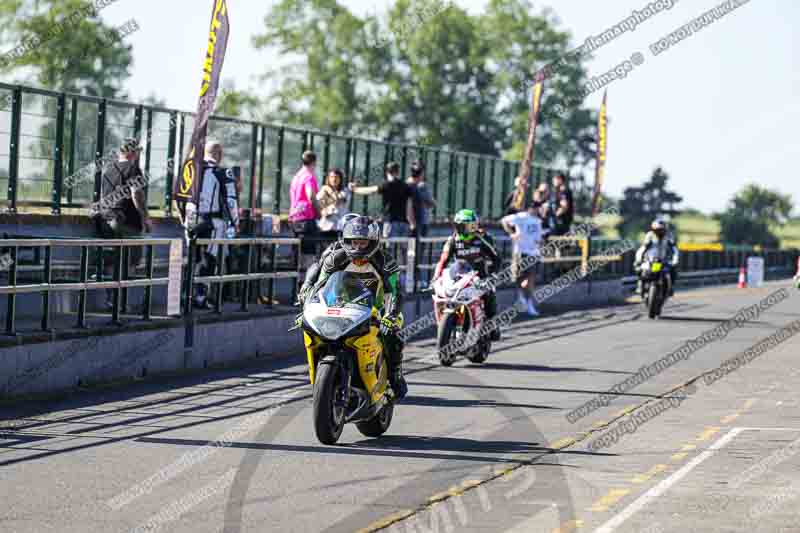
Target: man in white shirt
[{"x": 525, "y": 230}]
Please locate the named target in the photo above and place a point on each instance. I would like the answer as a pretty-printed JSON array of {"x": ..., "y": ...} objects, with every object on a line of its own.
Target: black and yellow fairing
[{"x": 368, "y": 351}]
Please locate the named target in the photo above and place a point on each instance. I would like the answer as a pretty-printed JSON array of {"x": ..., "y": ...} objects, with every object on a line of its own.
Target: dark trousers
[{"x": 394, "y": 350}]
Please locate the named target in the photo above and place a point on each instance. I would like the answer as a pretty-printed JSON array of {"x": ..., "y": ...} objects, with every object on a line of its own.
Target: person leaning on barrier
[
  {"x": 422, "y": 199},
  {"x": 659, "y": 236},
  {"x": 304, "y": 208},
  {"x": 563, "y": 205},
  {"x": 473, "y": 245},
  {"x": 398, "y": 205},
  {"x": 121, "y": 212},
  {"x": 217, "y": 215}
]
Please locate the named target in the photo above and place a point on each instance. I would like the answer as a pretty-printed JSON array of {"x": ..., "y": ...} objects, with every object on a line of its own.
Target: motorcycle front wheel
[
  {"x": 654, "y": 301},
  {"x": 328, "y": 417},
  {"x": 445, "y": 336}
]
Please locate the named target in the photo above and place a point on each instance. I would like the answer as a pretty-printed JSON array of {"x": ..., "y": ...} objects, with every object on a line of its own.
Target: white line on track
[{"x": 662, "y": 487}]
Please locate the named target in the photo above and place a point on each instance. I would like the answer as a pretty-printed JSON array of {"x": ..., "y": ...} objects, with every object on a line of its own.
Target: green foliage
[
  {"x": 431, "y": 70},
  {"x": 640, "y": 205},
  {"x": 64, "y": 46},
  {"x": 751, "y": 213}
]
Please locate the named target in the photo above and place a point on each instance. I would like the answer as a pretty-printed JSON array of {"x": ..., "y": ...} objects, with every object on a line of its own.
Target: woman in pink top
[{"x": 304, "y": 209}]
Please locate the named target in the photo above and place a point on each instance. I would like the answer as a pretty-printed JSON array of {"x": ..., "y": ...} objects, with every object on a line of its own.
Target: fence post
[
  {"x": 367, "y": 172},
  {"x": 99, "y": 149},
  {"x": 465, "y": 182},
  {"x": 259, "y": 203},
  {"x": 352, "y": 150},
  {"x": 276, "y": 202},
  {"x": 13, "y": 152},
  {"x": 58, "y": 155},
  {"x": 586, "y": 250},
  {"x": 173, "y": 161},
  {"x": 411, "y": 264},
  {"x": 403, "y": 164},
  {"x": 491, "y": 188},
  {"x": 451, "y": 180},
  {"x": 73, "y": 140},
  {"x": 327, "y": 152},
  {"x": 435, "y": 183},
  {"x": 147, "y": 153}
]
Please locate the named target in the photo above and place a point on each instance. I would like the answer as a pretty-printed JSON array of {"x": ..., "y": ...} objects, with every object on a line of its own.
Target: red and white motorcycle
[{"x": 460, "y": 315}]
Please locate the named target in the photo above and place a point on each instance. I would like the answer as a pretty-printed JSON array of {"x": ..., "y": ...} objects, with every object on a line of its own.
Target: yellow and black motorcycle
[{"x": 346, "y": 360}]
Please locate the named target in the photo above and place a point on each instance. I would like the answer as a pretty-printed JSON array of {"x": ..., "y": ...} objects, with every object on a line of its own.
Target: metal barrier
[
  {"x": 54, "y": 139},
  {"x": 253, "y": 261},
  {"x": 266, "y": 260},
  {"x": 423, "y": 250},
  {"x": 119, "y": 284}
]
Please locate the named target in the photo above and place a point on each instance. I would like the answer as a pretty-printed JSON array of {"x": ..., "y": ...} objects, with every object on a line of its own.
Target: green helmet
[{"x": 466, "y": 224}]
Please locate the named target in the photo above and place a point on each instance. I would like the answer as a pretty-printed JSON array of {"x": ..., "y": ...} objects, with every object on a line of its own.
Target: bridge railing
[
  {"x": 267, "y": 270},
  {"x": 38, "y": 278},
  {"x": 51, "y": 140}
]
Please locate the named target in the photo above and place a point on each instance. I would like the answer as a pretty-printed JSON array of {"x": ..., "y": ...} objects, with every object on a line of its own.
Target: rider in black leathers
[{"x": 359, "y": 250}]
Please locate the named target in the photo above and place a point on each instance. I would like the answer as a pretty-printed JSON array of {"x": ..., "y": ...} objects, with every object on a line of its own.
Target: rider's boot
[
  {"x": 394, "y": 352},
  {"x": 491, "y": 311},
  {"x": 397, "y": 380}
]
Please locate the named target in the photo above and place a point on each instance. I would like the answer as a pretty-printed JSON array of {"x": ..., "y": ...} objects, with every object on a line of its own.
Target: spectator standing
[
  {"x": 304, "y": 209},
  {"x": 333, "y": 199},
  {"x": 121, "y": 212},
  {"x": 525, "y": 229},
  {"x": 547, "y": 210},
  {"x": 217, "y": 215},
  {"x": 398, "y": 204},
  {"x": 508, "y": 203},
  {"x": 564, "y": 205},
  {"x": 422, "y": 199}
]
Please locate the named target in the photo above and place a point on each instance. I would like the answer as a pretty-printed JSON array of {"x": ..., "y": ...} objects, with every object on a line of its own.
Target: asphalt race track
[{"x": 473, "y": 448}]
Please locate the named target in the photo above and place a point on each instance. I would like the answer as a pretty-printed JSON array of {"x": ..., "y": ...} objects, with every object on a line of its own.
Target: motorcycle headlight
[
  {"x": 332, "y": 328},
  {"x": 656, "y": 267}
]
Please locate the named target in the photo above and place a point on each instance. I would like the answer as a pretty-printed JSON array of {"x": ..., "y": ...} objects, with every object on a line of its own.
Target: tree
[
  {"x": 432, "y": 71},
  {"x": 63, "y": 45},
  {"x": 640, "y": 205},
  {"x": 750, "y": 215}
]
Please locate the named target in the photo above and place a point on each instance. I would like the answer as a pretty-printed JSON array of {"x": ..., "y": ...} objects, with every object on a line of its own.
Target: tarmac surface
[{"x": 472, "y": 448}]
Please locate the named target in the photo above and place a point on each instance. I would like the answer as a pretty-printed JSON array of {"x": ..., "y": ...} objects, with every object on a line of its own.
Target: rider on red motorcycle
[{"x": 471, "y": 244}]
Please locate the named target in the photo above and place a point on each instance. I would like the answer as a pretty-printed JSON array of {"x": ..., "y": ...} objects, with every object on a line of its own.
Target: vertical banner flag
[
  {"x": 602, "y": 148},
  {"x": 533, "y": 119},
  {"x": 187, "y": 187}
]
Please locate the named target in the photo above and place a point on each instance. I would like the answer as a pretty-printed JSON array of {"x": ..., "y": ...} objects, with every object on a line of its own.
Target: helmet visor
[
  {"x": 358, "y": 245},
  {"x": 467, "y": 228}
]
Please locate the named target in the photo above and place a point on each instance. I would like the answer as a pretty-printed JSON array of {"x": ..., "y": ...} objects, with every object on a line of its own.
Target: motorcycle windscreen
[
  {"x": 346, "y": 288},
  {"x": 456, "y": 273},
  {"x": 343, "y": 303}
]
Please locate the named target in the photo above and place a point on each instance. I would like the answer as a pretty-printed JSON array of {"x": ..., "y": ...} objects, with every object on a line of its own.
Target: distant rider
[
  {"x": 359, "y": 251},
  {"x": 471, "y": 244},
  {"x": 658, "y": 236}
]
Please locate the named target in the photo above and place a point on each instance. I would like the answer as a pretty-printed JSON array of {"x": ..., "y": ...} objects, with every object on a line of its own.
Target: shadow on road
[
  {"x": 430, "y": 401},
  {"x": 538, "y": 389},
  {"x": 544, "y": 368},
  {"x": 406, "y": 447}
]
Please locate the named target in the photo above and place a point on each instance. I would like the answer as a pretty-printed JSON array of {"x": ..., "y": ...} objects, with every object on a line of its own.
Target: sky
[{"x": 717, "y": 111}]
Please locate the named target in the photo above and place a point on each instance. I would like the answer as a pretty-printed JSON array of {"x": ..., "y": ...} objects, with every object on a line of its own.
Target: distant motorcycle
[
  {"x": 346, "y": 359},
  {"x": 460, "y": 314},
  {"x": 654, "y": 273}
]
